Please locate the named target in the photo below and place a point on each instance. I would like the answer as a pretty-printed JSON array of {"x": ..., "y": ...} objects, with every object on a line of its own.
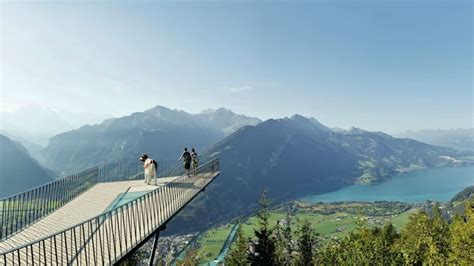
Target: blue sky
[{"x": 378, "y": 65}]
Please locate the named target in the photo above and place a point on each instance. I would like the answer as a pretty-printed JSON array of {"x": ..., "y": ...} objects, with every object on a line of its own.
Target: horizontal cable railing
[
  {"x": 23, "y": 209},
  {"x": 108, "y": 237}
]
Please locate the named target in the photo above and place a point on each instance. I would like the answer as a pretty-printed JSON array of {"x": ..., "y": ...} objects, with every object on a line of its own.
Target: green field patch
[
  {"x": 329, "y": 221},
  {"x": 211, "y": 243},
  {"x": 401, "y": 220},
  {"x": 338, "y": 224}
]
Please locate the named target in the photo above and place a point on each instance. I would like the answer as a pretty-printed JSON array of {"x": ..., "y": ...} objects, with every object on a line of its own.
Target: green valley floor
[{"x": 330, "y": 221}]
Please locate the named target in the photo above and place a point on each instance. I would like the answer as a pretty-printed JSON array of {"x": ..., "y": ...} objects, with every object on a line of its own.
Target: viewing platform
[{"x": 97, "y": 216}]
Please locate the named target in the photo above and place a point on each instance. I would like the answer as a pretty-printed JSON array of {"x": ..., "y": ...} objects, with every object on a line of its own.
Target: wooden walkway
[
  {"x": 104, "y": 223},
  {"x": 91, "y": 203}
]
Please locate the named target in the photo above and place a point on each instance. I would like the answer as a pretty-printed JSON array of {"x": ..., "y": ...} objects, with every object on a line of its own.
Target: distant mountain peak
[
  {"x": 157, "y": 110},
  {"x": 226, "y": 120},
  {"x": 356, "y": 130},
  {"x": 160, "y": 131},
  {"x": 221, "y": 110},
  {"x": 171, "y": 115},
  {"x": 299, "y": 117},
  {"x": 338, "y": 130},
  {"x": 303, "y": 120}
]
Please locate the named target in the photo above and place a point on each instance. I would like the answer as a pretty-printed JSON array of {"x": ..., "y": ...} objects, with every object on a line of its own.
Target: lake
[{"x": 439, "y": 184}]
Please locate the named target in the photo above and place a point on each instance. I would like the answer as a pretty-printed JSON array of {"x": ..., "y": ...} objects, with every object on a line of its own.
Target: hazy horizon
[
  {"x": 389, "y": 66},
  {"x": 24, "y": 108}
]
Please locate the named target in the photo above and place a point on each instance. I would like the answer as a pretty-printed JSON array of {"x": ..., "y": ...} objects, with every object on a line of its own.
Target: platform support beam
[{"x": 153, "y": 250}]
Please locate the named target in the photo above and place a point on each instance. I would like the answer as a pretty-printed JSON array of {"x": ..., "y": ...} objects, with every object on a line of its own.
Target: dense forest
[{"x": 426, "y": 239}]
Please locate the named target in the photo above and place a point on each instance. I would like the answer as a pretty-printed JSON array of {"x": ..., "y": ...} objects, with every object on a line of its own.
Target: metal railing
[
  {"x": 108, "y": 237},
  {"x": 23, "y": 209}
]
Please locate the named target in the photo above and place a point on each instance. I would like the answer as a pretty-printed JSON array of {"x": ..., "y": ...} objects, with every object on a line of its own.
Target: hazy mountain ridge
[
  {"x": 18, "y": 170},
  {"x": 33, "y": 148},
  {"x": 159, "y": 131},
  {"x": 297, "y": 156},
  {"x": 37, "y": 124},
  {"x": 460, "y": 139},
  {"x": 382, "y": 156}
]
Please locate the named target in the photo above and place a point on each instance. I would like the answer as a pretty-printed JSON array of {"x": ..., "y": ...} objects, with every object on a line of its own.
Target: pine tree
[
  {"x": 306, "y": 243},
  {"x": 279, "y": 244},
  {"x": 330, "y": 254},
  {"x": 384, "y": 241},
  {"x": 283, "y": 242},
  {"x": 439, "y": 238},
  {"x": 263, "y": 248},
  {"x": 425, "y": 239},
  {"x": 363, "y": 247},
  {"x": 238, "y": 255},
  {"x": 288, "y": 241},
  {"x": 462, "y": 237},
  {"x": 360, "y": 246},
  {"x": 414, "y": 238}
]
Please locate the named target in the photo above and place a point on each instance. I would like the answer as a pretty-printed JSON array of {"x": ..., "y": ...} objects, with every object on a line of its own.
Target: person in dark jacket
[{"x": 186, "y": 157}]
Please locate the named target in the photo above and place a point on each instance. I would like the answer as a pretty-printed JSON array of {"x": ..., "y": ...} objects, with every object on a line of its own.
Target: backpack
[{"x": 195, "y": 157}]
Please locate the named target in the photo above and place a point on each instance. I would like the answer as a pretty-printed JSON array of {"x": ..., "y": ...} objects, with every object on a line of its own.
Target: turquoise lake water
[{"x": 439, "y": 184}]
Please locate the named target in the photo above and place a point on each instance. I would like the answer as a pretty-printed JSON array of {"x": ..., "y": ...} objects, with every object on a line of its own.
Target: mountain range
[
  {"x": 460, "y": 139},
  {"x": 291, "y": 157},
  {"x": 18, "y": 170},
  {"x": 297, "y": 156},
  {"x": 160, "y": 132}
]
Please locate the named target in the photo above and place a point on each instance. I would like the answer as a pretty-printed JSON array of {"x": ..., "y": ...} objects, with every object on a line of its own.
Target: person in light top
[
  {"x": 150, "y": 167},
  {"x": 195, "y": 160}
]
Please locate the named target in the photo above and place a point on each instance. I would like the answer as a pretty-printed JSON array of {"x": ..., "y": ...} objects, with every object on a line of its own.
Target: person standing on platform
[
  {"x": 195, "y": 160},
  {"x": 150, "y": 167},
  {"x": 186, "y": 157}
]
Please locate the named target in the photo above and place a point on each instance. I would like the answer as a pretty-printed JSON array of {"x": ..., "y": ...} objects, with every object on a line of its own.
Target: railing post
[
  {"x": 130, "y": 208},
  {"x": 2, "y": 219},
  {"x": 7, "y": 216}
]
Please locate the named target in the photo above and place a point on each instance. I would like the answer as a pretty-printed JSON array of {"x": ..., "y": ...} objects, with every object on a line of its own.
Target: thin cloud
[
  {"x": 273, "y": 84},
  {"x": 240, "y": 88}
]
